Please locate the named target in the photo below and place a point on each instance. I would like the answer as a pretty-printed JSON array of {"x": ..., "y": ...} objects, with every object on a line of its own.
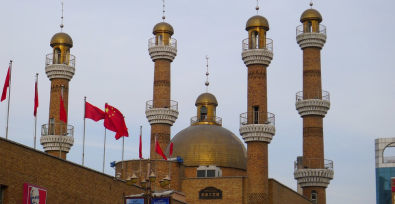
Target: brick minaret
[
  {"x": 257, "y": 125},
  {"x": 162, "y": 112},
  {"x": 313, "y": 173},
  {"x": 60, "y": 68}
]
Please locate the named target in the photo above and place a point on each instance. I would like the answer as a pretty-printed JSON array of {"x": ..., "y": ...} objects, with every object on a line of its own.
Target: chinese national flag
[
  {"x": 6, "y": 85},
  {"x": 35, "y": 99},
  {"x": 93, "y": 112},
  {"x": 62, "y": 113},
  {"x": 115, "y": 122},
  {"x": 171, "y": 149},
  {"x": 159, "y": 150}
]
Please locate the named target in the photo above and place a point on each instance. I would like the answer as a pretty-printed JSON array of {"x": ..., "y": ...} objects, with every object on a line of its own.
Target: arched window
[
  {"x": 203, "y": 113},
  {"x": 160, "y": 40},
  {"x": 314, "y": 197},
  {"x": 254, "y": 40},
  {"x": 57, "y": 56},
  {"x": 309, "y": 26}
]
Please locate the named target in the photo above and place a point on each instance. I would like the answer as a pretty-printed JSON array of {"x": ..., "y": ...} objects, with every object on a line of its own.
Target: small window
[
  {"x": 203, "y": 113},
  {"x": 256, "y": 114},
  {"x": 314, "y": 197},
  {"x": 210, "y": 173},
  {"x": 201, "y": 173},
  {"x": 2, "y": 188}
]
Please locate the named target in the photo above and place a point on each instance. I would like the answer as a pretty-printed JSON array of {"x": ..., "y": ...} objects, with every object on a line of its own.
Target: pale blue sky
[{"x": 113, "y": 65}]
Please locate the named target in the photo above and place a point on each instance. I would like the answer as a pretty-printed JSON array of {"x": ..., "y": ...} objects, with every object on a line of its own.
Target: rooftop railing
[
  {"x": 312, "y": 94},
  {"x": 162, "y": 103},
  {"x": 249, "y": 118},
  {"x": 310, "y": 29},
  {"x": 314, "y": 164},
  {"x": 60, "y": 58},
  {"x": 57, "y": 129},
  {"x": 258, "y": 43},
  {"x": 162, "y": 42},
  {"x": 213, "y": 119}
]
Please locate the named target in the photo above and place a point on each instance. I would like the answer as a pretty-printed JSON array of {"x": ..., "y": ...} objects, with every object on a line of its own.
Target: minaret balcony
[
  {"x": 206, "y": 120},
  {"x": 60, "y": 66},
  {"x": 257, "y": 51},
  {"x": 56, "y": 134},
  {"x": 257, "y": 126},
  {"x": 314, "y": 172},
  {"x": 161, "y": 111},
  {"x": 313, "y": 102},
  {"x": 311, "y": 36},
  {"x": 162, "y": 48}
]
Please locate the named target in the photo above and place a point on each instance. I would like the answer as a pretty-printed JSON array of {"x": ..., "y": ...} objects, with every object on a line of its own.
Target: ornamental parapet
[
  {"x": 53, "y": 142},
  {"x": 257, "y": 51},
  {"x": 313, "y": 102},
  {"x": 60, "y": 66},
  {"x": 313, "y": 177},
  {"x": 257, "y": 126},
  {"x": 313, "y": 172},
  {"x": 162, "y": 111},
  {"x": 162, "y": 49},
  {"x": 311, "y": 40}
]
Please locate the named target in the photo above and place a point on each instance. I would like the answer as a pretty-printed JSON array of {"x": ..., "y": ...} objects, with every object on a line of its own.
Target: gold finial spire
[
  {"x": 61, "y": 24},
  {"x": 257, "y": 7},
  {"x": 311, "y": 3},
  {"x": 207, "y": 83},
  {"x": 164, "y": 17}
]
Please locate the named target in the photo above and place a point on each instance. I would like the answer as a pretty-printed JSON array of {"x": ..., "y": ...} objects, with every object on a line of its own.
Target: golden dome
[
  {"x": 163, "y": 27},
  {"x": 257, "y": 21},
  {"x": 311, "y": 14},
  {"x": 206, "y": 99},
  {"x": 61, "y": 38},
  {"x": 209, "y": 145}
]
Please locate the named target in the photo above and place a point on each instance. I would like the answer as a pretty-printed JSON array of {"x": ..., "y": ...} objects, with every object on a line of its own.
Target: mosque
[{"x": 210, "y": 164}]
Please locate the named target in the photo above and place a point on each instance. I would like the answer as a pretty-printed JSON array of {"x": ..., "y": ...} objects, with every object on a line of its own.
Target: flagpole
[
  {"x": 123, "y": 148},
  {"x": 139, "y": 145},
  {"x": 156, "y": 160},
  {"x": 169, "y": 170},
  {"x": 35, "y": 119},
  {"x": 9, "y": 98},
  {"x": 104, "y": 155},
  {"x": 61, "y": 130},
  {"x": 83, "y": 142}
]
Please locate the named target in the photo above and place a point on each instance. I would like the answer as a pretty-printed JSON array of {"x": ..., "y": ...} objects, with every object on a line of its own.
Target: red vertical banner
[
  {"x": 6, "y": 85},
  {"x": 36, "y": 98},
  {"x": 34, "y": 194},
  {"x": 392, "y": 190}
]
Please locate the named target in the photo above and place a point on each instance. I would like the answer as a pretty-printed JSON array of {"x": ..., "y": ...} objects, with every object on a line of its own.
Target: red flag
[
  {"x": 6, "y": 85},
  {"x": 62, "y": 111},
  {"x": 171, "y": 149},
  {"x": 115, "y": 122},
  {"x": 36, "y": 99},
  {"x": 93, "y": 112},
  {"x": 159, "y": 150},
  {"x": 141, "y": 149}
]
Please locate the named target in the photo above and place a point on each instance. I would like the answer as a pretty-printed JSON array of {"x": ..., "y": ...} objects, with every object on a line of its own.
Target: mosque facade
[{"x": 210, "y": 164}]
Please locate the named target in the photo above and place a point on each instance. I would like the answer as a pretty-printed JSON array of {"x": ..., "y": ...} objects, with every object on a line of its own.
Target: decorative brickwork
[
  {"x": 312, "y": 73},
  {"x": 162, "y": 79},
  {"x": 313, "y": 132},
  {"x": 257, "y": 169},
  {"x": 281, "y": 194},
  {"x": 257, "y": 89}
]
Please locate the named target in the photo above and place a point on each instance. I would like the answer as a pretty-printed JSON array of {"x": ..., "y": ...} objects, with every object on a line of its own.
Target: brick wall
[
  {"x": 232, "y": 189},
  {"x": 280, "y": 194},
  {"x": 66, "y": 182}
]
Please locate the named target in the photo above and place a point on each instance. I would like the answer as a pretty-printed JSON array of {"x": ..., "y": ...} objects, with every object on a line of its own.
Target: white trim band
[
  {"x": 311, "y": 40},
  {"x": 52, "y": 142},
  {"x": 162, "y": 52},
  {"x": 161, "y": 116},
  {"x": 312, "y": 107},
  {"x": 313, "y": 177},
  {"x": 59, "y": 71},
  {"x": 257, "y": 56},
  {"x": 257, "y": 132}
]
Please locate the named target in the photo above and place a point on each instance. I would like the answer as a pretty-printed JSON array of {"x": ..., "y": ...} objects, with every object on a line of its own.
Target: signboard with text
[
  {"x": 160, "y": 200},
  {"x": 139, "y": 200},
  {"x": 34, "y": 194},
  {"x": 210, "y": 193}
]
